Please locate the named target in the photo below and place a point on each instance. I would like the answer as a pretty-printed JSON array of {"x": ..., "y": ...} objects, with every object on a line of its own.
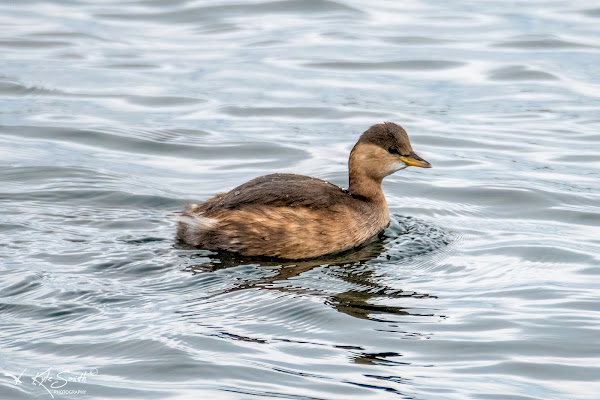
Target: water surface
[{"x": 116, "y": 114}]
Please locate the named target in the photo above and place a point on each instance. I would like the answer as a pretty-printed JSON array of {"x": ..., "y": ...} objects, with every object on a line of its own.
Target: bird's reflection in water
[{"x": 354, "y": 267}]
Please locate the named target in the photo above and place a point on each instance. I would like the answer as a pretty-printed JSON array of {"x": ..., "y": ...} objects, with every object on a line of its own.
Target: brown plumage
[{"x": 294, "y": 216}]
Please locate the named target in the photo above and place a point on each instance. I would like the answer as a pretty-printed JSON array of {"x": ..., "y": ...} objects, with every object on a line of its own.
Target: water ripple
[{"x": 484, "y": 285}]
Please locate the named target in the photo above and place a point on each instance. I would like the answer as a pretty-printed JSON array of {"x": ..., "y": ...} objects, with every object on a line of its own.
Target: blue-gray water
[{"x": 115, "y": 114}]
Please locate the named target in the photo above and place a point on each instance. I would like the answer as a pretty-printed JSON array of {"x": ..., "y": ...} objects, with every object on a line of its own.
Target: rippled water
[{"x": 115, "y": 114}]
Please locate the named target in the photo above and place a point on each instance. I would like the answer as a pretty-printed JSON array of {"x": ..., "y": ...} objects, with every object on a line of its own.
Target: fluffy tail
[
  {"x": 198, "y": 222},
  {"x": 192, "y": 227}
]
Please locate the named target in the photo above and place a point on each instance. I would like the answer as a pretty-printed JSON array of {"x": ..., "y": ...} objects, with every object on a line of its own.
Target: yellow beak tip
[{"x": 415, "y": 162}]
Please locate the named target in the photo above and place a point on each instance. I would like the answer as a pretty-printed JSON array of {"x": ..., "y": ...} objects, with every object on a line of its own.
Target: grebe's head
[{"x": 384, "y": 149}]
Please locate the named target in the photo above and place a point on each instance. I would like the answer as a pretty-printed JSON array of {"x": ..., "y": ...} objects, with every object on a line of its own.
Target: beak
[{"x": 413, "y": 160}]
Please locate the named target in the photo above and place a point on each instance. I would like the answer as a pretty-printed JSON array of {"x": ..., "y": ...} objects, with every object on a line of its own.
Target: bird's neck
[
  {"x": 369, "y": 190},
  {"x": 363, "y": 181},
  {"x": 365, "y": 176},
  {"x": 364, "y": 186}
]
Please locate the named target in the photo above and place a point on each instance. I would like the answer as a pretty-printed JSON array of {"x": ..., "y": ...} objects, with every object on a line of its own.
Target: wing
[{"x": 281, "y": 190}]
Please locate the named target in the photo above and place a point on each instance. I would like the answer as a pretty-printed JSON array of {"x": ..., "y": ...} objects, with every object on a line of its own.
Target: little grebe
[{"x": 294, "y": 216}]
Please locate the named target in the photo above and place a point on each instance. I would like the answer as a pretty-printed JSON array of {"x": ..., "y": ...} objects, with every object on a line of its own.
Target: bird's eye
[{"x": 393, "y": 150}]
